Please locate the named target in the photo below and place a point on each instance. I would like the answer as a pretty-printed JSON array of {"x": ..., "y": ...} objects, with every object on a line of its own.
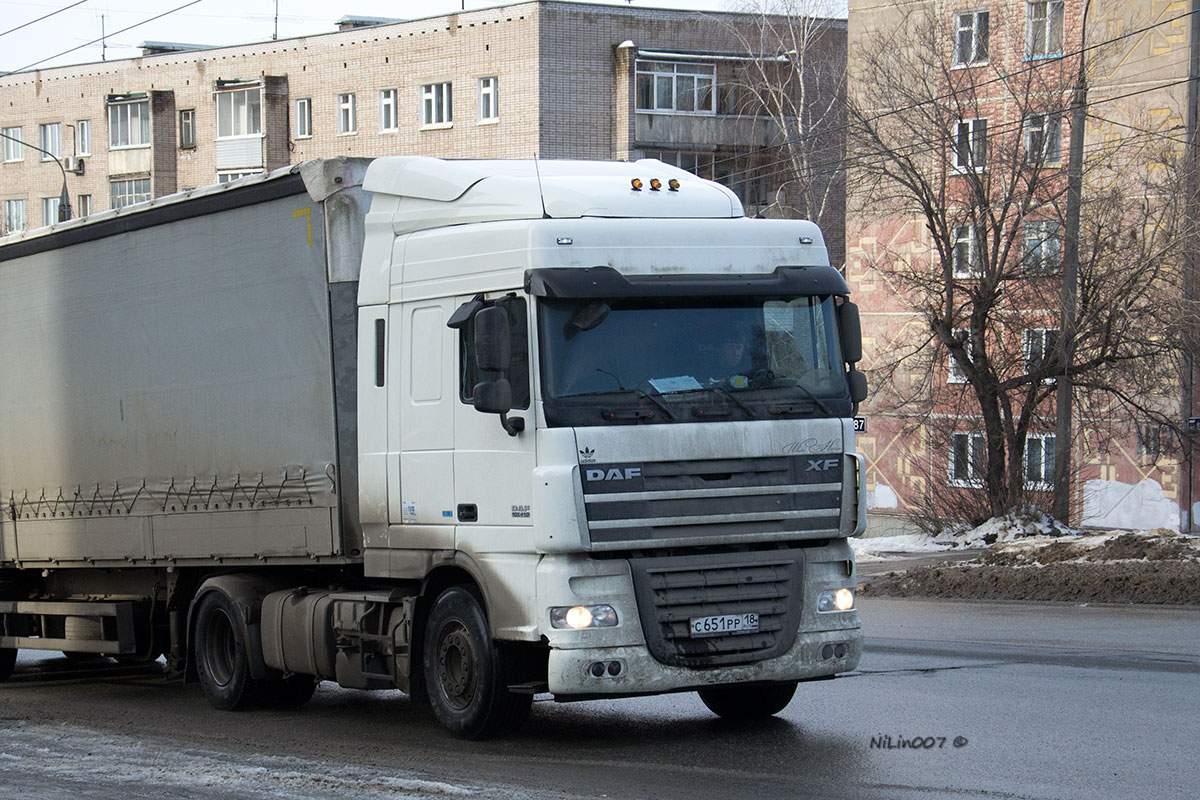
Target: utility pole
[
  {"x": 1191, "y": 253},
  {"x": 1064, "y": 390}
]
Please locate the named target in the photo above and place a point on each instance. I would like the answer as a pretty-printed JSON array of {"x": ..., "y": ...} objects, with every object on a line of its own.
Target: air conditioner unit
[{"x": 73, "y": 164}]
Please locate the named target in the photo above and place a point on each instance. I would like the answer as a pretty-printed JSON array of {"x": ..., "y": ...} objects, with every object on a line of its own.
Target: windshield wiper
[
  {"x": 726, "y": 393},
  {"x": 813, "y": 397}
]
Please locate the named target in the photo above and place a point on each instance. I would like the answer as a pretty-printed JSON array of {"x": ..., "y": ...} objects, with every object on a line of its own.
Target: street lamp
[{"x": 64, "y": 199}]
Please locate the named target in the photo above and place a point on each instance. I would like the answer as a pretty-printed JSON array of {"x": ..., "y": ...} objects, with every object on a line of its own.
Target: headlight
[
  {"x": 580, "y": 617},
  {"x": 835, "y": 600}
]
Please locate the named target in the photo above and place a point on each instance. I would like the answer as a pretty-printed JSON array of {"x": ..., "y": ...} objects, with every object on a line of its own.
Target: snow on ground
[{"x": 1028, "y": 536}]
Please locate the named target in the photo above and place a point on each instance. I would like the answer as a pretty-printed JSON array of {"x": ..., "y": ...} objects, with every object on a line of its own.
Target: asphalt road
[{"x": 1006, "y": 701}]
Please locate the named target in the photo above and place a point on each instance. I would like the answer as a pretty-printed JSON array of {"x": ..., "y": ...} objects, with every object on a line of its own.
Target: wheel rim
[
  {"x": 458, "y": 675},
  {"x": 220, "y": 647}
]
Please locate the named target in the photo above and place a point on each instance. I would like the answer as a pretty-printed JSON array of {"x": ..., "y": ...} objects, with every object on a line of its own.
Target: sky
[{"x": 212, "y": 22}]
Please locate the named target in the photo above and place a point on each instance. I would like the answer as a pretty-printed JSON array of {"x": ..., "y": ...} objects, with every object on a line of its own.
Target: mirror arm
[{"x": 512, "y": 425}]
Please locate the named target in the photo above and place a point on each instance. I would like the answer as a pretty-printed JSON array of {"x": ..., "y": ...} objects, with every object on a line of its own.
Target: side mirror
[
  {"x": 858, "y": 386},
  {"x": 493, "y": 340},
  {"x": 495, "y": 397},
  {"x": 851, "y": 329}
]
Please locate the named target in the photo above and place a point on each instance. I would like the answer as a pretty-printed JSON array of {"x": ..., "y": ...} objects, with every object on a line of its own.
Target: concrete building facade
[{"x": 537, "y": 79}]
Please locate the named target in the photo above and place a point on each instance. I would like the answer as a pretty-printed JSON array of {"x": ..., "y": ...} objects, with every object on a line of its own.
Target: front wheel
[
  {"x": 748, "y": 702},
  {"x": 221, "y": 658},
  {"x": 466, "y": 673}
]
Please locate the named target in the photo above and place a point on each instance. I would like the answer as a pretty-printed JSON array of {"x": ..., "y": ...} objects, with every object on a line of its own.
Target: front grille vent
[{"x": 672, "y": 591}]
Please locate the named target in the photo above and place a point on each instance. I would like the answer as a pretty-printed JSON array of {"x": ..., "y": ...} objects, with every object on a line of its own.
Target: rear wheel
[
  {"x": 466, "y": 673},
  {"x": 221, "y": 658},
  {"x": 748, "y": 702}
]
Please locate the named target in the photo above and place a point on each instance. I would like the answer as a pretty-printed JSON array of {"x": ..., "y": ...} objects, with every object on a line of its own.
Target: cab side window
[{"x": 517, "y": 373}]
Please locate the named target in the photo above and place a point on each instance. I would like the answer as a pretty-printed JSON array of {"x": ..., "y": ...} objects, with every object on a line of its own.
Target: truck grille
[
  {"x": 673, "y": 590},
  {"x": 668, "y": 503}
]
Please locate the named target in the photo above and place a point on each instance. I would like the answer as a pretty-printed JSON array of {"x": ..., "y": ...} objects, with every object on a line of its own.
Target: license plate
[{"x": 723, "y": 625}]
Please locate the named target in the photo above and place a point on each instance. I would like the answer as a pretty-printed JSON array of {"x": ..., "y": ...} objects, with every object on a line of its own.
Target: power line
[
  {"x": 39, "y": 19},
  {"x": 114, "y": 33}
]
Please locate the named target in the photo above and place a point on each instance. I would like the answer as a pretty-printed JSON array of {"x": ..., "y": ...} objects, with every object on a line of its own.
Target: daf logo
[
  {"x": 818, "y": 464},
  {"x": 614, "y": 474}
]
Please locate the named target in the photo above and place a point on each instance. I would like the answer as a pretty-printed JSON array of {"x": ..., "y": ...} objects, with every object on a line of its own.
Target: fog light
[
  {"x": 580, "y": 617},
  {"x": 835, "y": 600}
]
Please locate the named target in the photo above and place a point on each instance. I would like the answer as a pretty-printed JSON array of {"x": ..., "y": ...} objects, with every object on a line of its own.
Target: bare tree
[
  {"x": 794, "y": 79},
  {"x": 967, "y": 147}
]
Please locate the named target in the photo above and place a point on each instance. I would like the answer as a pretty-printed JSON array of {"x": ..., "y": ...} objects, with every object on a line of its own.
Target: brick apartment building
[
  {"x": 1129, "y": 472},
  {"x": 537, "y": 79}
]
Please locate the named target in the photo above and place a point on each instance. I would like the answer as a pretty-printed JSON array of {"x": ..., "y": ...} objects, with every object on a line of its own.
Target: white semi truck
[{"x": 475, "y": 430}]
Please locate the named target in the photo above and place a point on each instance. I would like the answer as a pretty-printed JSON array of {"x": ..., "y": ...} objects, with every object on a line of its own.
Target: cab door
[{"x": 421, "y": 469}]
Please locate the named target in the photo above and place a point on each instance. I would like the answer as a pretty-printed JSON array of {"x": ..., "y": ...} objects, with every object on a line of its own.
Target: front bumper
[{"x": 571, "y": 671}]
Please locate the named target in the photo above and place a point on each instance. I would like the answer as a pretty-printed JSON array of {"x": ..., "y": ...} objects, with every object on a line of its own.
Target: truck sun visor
[{"x": 607, "y": 282}]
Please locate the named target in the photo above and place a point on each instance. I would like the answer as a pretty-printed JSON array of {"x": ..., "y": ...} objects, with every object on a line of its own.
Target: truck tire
[
  {"x": 221, "y": 660},
  {"x": 8, "y": 659},
  {"x": 748, "y": 702},
  {"x": 290, "y": 692},
  {"x": 466, "y": 673}
]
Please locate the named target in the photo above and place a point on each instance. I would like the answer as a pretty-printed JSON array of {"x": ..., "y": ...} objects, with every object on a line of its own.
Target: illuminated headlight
[
  {"x": 580, "y": 617},
  {"x": 836, "y": 600}
]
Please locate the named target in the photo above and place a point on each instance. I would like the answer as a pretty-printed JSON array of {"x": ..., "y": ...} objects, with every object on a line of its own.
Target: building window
[
  {"x": 50, "y": 210},
  {"x": 85, "y": 205},
  {"x": 50, "y": 138},
  {"x": 126, "y": 193},
  {"x": 387, "y": 110},
  {"x": 239, "y": 113},
  {"x": 233, "y": 175},
  {"x": 129, "y": 124},
  {"x": 965, "y": 258},
  {"x": 971, "y": 41},
  {"x": 700, "y": 164},
  {"x": 1039, "y": 461},
  {"x": 1043, "y": 28},
  {"x": 956, "y": 374},
  {"x": 967, "y": 459},
  {"x": 1154, "y": 440},
  {"x": 347, "y": 117},
  {"x": 665, "y": 86},
  {"x": 187, "y": 129},
  {"x": 1039, "y": 345},
  {"x": 970, "y": 145},
  {"x": 1042, "y": 246},
  {"x": 13, "y": 144},
  {"x": 489, "y": 99},
  {"x": 437, "y": 105},
  {"x": 1043, "y": 139},
  {"x": 304, "y": 118},
  {"x": 14, "y": 216},
  {"x": 83, "y": 137}
]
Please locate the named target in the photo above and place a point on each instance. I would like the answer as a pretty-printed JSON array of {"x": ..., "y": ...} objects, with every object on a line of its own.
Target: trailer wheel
[
  {"x": 748, "y": 702},
  {"x": 221, "y": 659},
  {"x": 466, "y": 672},
  {"x": 290, "y": 692},
  {"x": 8, "y": 659}
]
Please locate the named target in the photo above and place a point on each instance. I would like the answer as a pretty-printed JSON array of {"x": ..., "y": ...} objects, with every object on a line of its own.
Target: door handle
[{"x": 468, "y": 512}]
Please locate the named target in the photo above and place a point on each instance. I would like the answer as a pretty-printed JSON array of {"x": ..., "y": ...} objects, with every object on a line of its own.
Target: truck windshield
[{"x": 672, "y": 359}]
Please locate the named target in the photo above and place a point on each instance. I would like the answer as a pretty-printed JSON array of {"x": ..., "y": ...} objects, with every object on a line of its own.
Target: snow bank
[{"x": 1140, "y": 506}]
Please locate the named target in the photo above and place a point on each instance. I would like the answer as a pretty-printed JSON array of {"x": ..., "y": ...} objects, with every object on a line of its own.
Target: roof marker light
[
  {"x": 805, "y": 240},
  {"x": 673, "y": 185},
  {"x": 636, "y": 183},
  {"x": 655, "y": 184}
]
